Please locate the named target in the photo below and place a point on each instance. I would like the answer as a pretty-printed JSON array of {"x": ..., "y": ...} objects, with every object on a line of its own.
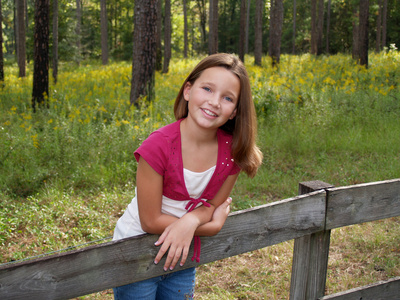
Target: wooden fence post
[{"x": 310, "y": 256}]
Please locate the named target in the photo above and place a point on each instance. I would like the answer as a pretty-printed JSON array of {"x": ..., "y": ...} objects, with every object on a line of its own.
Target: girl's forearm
[
  {"x": 209, "y": 229},
  {"x": 158, "y": 224}
]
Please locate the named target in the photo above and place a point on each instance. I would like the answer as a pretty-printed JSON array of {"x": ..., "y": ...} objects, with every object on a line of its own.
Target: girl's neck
[
  {"x": 197, "y": 135},
  {"x": 199, "y": 147}
]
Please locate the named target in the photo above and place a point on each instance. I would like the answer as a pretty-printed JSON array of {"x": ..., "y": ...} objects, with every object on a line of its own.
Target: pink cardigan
[{"x": 163, "y": 152}]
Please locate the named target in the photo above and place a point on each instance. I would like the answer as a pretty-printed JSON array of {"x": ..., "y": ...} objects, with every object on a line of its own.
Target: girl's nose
[{"x": 213, "y": 100}]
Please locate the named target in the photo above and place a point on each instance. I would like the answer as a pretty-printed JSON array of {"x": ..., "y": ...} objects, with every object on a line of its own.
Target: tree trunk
[
  {"x": 258, "y": 33},
  {"x": 144, "y": 50},
  {"x": 21, "y": 38},
  {"x": 314, "y": 47},
  {"x": 213, "y": 25},
  {"x": 104, "y": 32},
  {"x": 242, "y": 36},
  {"x": 275, "y": 31},
  {"x": 78, "y": 29},
  {"x": 159, "y": 58},
  {"x": 41, "y": 55},
  {"x": 1, "y": 48},
  {"x": 185, "y": 30},
  {"x": 55, "y": 40},
  {"x": 363, "y": 32},
  {"x": 320, "y": 25},
  {"x": 317, "y": 22},
  {"x": 167, "y": 36},
  {"x": 294, "y": 27},
  {"x": 203, "y": 20}
]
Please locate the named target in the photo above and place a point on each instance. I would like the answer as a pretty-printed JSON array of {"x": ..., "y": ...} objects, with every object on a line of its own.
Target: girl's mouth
[{"x": 209, "y": 112}]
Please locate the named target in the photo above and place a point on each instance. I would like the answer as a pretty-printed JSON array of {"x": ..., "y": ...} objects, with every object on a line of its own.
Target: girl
[{"x": 187, "y": 169}]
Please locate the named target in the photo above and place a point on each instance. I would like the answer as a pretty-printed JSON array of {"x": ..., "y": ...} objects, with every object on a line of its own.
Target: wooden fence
[{"x": 307, "y": 218}]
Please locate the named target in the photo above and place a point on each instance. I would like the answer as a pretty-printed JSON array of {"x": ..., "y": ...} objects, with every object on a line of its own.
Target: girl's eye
[
  {"x": 207, "y": 89},
  {"x": 229, "y": 99}
]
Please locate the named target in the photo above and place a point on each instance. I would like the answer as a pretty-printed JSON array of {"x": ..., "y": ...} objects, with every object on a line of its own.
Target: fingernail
[
  {"x": 171, "y": 268},
  {"x": 155, "y": 262},
  {"x": 165, "y": 269}
]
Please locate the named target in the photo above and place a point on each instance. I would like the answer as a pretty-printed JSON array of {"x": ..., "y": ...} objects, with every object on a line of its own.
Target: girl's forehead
[{"x": 216, "y": 73}]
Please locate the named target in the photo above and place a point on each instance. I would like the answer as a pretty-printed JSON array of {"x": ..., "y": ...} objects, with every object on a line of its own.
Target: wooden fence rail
[{"x": 307, "y": 218}]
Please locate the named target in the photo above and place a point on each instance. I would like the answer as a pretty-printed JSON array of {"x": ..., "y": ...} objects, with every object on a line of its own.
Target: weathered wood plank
[
  {"x": 362, "y": 203},
  {"x": 100, "y": 267},
  {"x": 389, "y": 290},
  {"x": 310, "y": 256}
]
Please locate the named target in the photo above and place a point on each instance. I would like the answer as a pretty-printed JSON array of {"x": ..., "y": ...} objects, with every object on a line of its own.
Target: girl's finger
[
  {"x": 170, "y": 257},
  {"x": 175, "y": 259},
  {"x": 185, "y": 254},
  {"x": 161, "y": 252}
]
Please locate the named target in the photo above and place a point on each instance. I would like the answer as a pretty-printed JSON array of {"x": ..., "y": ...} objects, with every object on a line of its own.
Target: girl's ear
[
  {"x": 233, "y": 115},
  {"x": 186, "y": 91}
]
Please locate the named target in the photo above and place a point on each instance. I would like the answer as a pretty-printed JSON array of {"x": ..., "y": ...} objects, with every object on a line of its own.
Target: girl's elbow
[{"x": 149, "y": 227}]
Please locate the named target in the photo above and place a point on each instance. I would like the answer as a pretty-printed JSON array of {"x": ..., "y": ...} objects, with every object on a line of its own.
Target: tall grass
[{"x": 68, "y": 172}]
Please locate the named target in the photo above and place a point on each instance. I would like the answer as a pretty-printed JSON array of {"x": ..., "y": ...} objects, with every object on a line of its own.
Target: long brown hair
[{"x": 244, "y": 126}]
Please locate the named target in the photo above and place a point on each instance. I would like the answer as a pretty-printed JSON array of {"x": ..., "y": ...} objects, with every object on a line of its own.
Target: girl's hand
[
  {"x": 222, "y": 212},
  {"x": 177, "y": 237}
]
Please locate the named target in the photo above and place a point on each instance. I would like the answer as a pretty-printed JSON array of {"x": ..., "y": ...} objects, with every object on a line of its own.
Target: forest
[{"x": 79, "y": 23}]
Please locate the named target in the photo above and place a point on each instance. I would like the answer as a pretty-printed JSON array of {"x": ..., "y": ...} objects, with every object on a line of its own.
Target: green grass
[{"x": 67, "y": 173}]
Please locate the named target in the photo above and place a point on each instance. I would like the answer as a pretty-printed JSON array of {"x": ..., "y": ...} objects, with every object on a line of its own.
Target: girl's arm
[
  {"x": 149, "y": 194},
  {"x": 176, "y": 234}
]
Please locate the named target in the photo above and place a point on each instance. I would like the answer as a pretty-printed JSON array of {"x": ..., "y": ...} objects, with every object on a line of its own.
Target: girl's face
[{"x": 213, "y": 97}]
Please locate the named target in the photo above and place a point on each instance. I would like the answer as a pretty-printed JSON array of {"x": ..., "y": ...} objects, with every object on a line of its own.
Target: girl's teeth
[{"x": 209, "y": 113}]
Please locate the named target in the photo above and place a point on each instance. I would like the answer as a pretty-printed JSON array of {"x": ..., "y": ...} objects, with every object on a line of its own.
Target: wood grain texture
[
  {"x": 310, "y": 256},
  {"x": 363, "y": 203},
  {"x": 389, "y": 289}
]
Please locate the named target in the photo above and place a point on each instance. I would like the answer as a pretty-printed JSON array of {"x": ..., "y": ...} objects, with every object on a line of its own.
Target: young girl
[{"x": 187, "y": 169}]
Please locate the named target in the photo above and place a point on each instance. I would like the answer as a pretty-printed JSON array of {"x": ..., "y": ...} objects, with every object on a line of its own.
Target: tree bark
[
  {"x": 317, "y": 22},
  {"x": 242, "y": 36},
  {"x": 104, "y": 32},
  {"x": 41, "y": 55},
  {"x": 55, "y": 40},
  {"x": 167, "y": 36},
  {"x": 320, "y": 25},
  {"x": 213, "y": 25},
  {"x": 21, "y": 38},
  {"x": 201, "y": 5},
  {"x": 159, "y": 57},
  {"x": 275, "y": 31},
  {"x": 258, "y": 33},
  {"x": 144, "y": 50},
  {"x": 363, "y": 32}
]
